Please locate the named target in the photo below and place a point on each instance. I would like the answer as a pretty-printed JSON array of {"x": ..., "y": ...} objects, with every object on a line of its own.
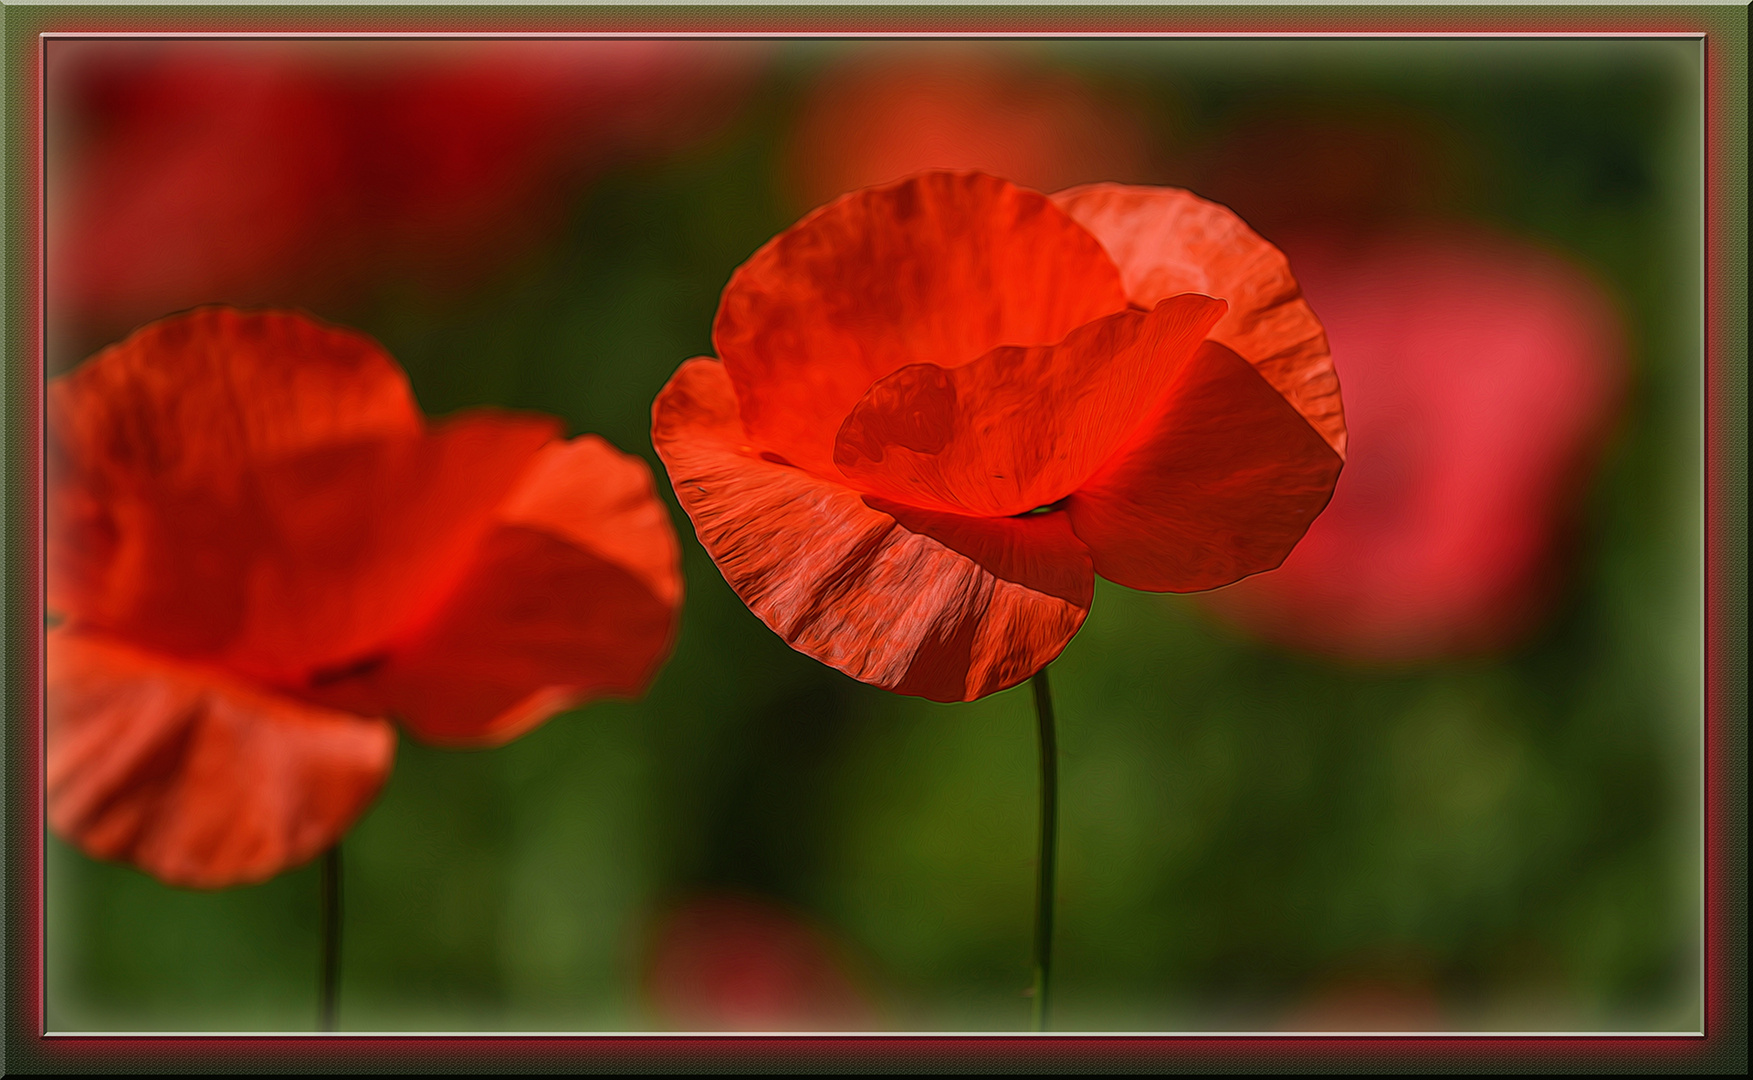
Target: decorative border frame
[{"x": 1722, "y": 1048}]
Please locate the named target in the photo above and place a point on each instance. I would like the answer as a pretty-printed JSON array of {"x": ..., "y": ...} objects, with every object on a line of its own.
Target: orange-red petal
[
  {"x": 195, "y": 778},
  {"x": 1222, "y": 484},
  {"x": 1021, "y": 427},
  {"x": 573, "y": 595},
  {"x": 938, "y": 268},
  {"x": 1167, "y": 241},
  {"x": 257, "y": 489},
  {"x": 352, "y": 544},
  {"x": 950, "y": 608},
  {"x": 190, "y": 404},
  {"x": 604, "y": 501}
]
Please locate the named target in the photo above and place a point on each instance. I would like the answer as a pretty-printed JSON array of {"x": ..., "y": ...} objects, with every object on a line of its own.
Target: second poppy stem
[
  {"x": 1049, "y": 848},
  {"x": 329, "y": 974}
]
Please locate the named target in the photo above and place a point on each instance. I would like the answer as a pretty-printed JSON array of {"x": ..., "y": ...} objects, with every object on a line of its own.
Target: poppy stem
[
  {"x": 329, "y": 975},
  {"x": 1049, "y": 848}
]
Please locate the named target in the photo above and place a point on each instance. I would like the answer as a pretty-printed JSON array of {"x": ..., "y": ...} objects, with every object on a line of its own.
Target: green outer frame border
[{"x": 1725, "y": 1048}]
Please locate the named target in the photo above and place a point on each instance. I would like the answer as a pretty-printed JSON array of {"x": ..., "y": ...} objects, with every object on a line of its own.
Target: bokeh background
[{"x": 1439, "y": 772}]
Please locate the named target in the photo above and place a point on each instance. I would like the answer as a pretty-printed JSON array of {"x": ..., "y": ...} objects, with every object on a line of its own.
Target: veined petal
[
  {"x": 1021, "y": 427},
  {"x": 1222, "y": 484},
  {"x": 939, "y": 268},
  {"x": 600, "y": 499},
  {"x": 192, "y": 404},
  {"x": 356, "y": 543},
  {"x": 257, "y": 490},
  {"x": 944, "y": 607},
  {"x": 1167, "y": 241},
  {"x": 574, "y": 595},
  {"x": 311, "y": 560},
  {"x": 198, "y": 779}
]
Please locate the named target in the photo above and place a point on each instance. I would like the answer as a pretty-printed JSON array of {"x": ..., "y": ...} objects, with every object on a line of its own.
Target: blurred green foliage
[{"x": 1243, "y": 829}]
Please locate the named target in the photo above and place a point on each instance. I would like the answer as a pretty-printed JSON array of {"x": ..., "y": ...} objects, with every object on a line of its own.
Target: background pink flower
[
  {"x": 1481, "y": 376},
  {"x": 728, "y": 962}
]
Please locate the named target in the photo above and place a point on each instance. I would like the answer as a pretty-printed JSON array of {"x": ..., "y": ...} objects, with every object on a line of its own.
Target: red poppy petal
[
  {"x": 540, "y": 625},
  {"x": 196, "y": 779},
  {"x": 604, "y": 501},
  {"x": 355, "y": 543},
  {"x": 1223, "y": 485},
  {"x": 573, "y": 596},
  {"x": 1020, "y": 427},
  {"x": 1168, "y": 241},
  {"x": 938, "y": 269},
  {"x": 213, "y": 391},
  {"x": 310, "y": 560},
  {"x": 953, "y": 611},
  {"x": 191, "y": 403}
]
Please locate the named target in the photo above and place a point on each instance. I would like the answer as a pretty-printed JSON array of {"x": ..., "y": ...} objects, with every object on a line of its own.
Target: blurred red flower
[
  {"x": 1351, "y": 170},
  {"x": 185, "y": 173},
  {"x": 258, "y": 549},
  {"x": 1370, "y": 1004},
  {"x": 901, "y": 110},
  {"x": 1481, "y": 378},
  {"x": 942, "y": 406},
  {"x": 734, "y": 963}
]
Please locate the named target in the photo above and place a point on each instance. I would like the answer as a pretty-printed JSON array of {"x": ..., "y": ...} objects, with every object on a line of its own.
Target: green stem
[
  {"x": 329, "y": 974},
  {"x": 1049, "y": 848}
]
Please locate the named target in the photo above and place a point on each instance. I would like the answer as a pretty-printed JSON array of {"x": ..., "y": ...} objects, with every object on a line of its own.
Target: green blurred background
[{"x": 1248, "y": 835}]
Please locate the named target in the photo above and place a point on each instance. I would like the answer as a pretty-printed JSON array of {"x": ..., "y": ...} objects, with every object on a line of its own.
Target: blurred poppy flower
[
  {"x": 901, "y": 110},
  {"x": 942, "y": 406},
  {"x": 250, "y": 172},
  {"x": 1352, "y": 170},
  {"x": 1370, "y": 1004},
  {"x": 734, "y": 963},
  {"x": 258, "y": 550},
  {"x": 1481, "y": 378}
]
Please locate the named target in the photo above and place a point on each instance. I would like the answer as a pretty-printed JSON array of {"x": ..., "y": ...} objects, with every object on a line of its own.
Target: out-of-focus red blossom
[
  {"x": 1343, "y": 172},
  {"x": 259, "y": 550},
  {"x": 895, "y": 112},
  {"x": 274, "y": 172},
  {"x": 1370, "y": 1004},
  {"x": 941, "y": 407},
  {"x": 1481, "y": 378},
  {"x": 734, "y": 963}
]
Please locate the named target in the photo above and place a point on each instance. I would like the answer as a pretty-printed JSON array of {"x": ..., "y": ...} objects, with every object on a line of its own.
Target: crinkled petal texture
[
  {"x": 1167, "y": 241},
  {"x": 945, "y": 606},
  {"x": 1020, "y": 427},
  {"x": 196, "y": 777},
  {"x": 938, "y": 415},
  {"x": 937, "y": 269},
  {"x": 1220, "y": 484},
  {"x": 255, "y": 494}
]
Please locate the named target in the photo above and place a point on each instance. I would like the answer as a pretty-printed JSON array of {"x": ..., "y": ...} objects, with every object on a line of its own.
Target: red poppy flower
[
  {"x": 734, "y": 963},
  {"x": 258, "y": 550},
  {"x": 941, "y": 407},
  {"x": 1482, "y": 377},
  {"x": 247, "y": 172},
  {"x": 902, "y": 110}
]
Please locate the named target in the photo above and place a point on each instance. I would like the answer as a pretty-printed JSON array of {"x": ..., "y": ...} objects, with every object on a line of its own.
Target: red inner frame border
[{"x": 1723, "y": 1039}]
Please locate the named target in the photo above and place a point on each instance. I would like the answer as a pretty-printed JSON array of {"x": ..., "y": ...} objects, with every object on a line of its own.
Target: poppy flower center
[{"x": 347, "y": 669}]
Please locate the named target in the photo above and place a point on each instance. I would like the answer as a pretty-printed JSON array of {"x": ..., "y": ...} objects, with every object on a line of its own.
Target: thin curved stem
[
  {"x": 1049, "y": 849},
  {"x": 329, "y": 974}
]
